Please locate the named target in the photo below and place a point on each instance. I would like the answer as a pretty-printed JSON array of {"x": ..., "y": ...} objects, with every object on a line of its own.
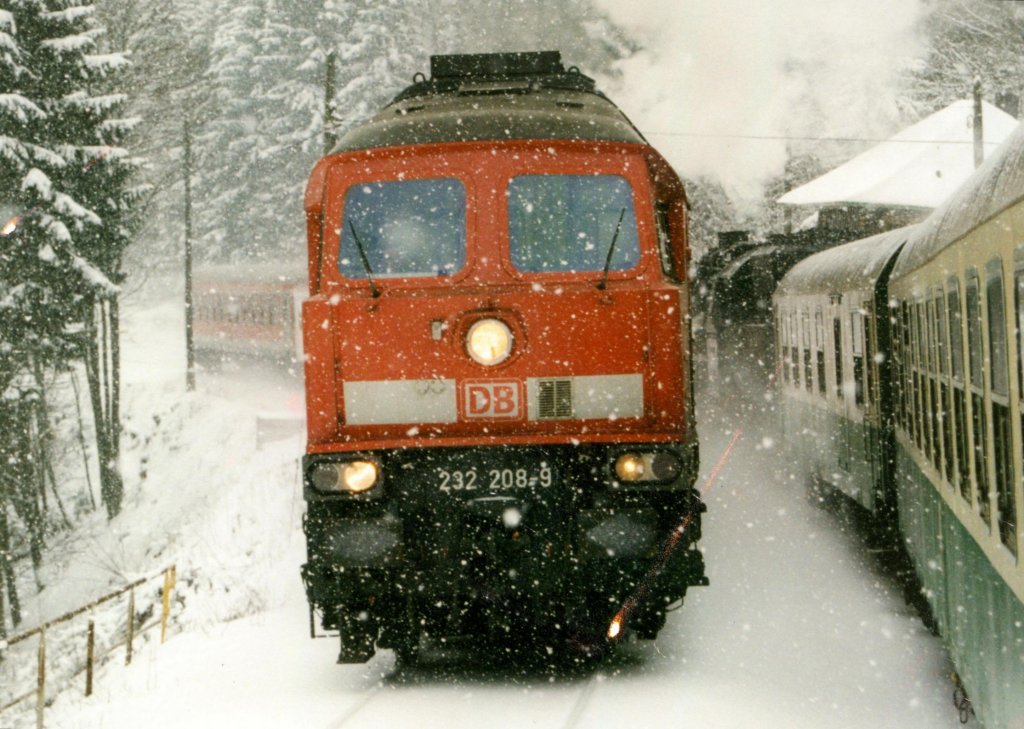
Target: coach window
[
  {"x": 942, "y": 371},
  {"x": 909, "y": 363},
  {"x": 794, "y": 350},
  {"x": 944, "y": 413},
  {"x": 572, "y": 223},
  {"x": 979, "y": 427},
  {"x": 857, "y": 335},
  {"x": 1018, "y": 303},
  {"x": 233, "y": 308},
  {"x": 920, "y": 408},
  {"x": 805, "y": 327},
  {"x": 819, "y": 348},
  {"x": 403, "y": 228},
  {"x": 870, "y": 365},
  {"x": 927, "y": 378},
  {"x": 956, "y": 361},
  {"x": 934, "y": 415},
  {"x": 783, "y": 330},
  {"x": 904, "y": 367},
  {"x": 837, "y": 347},
  {"x": 999, "y": 372},
  {"x": 896, "y": 341}
]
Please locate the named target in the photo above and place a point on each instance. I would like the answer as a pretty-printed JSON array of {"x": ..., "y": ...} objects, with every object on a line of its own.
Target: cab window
[
  {"x": 568, "y": 223},
  {"x": 403, "y": 228}
]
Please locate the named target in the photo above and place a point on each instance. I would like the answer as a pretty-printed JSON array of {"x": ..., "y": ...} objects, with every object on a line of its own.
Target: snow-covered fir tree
[
  {"x": 169, "y": 52},
  {"x": 267, "y": 76},
  {"x": 68, "y": 217},
  {"x": 65, "y": 181}
]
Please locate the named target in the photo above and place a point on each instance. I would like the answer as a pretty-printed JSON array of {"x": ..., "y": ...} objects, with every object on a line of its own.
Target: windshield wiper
[
  {"x": 374, "y": 291},
  {"x": 611, "y": 249}
]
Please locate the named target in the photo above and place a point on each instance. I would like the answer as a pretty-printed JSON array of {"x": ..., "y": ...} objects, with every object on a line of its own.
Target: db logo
[{"x": 492, "y": 399}]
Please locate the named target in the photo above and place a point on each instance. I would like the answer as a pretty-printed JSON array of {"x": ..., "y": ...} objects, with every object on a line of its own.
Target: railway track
[
  {"x": 353, "y": 711},
  {"x": 402, "y": 693}
]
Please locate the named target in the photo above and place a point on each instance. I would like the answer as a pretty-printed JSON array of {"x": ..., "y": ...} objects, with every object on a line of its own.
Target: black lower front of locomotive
[{"x": 528, "y": 546}]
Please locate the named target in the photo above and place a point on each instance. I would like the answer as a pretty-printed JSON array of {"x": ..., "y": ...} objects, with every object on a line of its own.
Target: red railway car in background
[
  {"x": 250, "y": 311},
  {"x": 499, "y": 406}
]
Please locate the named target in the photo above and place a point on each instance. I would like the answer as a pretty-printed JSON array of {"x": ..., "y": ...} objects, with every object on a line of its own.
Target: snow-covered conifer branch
[{"x": 21, "y": 108}]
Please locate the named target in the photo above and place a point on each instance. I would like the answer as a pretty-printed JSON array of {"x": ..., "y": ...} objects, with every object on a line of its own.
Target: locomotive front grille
[{"x": 554, "y": 399}]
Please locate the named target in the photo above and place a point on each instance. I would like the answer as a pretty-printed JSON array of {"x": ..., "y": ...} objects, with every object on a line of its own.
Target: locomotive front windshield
[
  {"x": 403, "y": 228},
  {"x": 567, "y": 223}
]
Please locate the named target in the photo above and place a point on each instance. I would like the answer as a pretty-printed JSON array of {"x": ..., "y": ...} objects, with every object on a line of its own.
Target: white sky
[{"x": 758, "y": 68}]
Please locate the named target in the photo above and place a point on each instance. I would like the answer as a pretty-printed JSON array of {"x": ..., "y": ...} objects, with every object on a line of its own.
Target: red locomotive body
[{"x": 497, "y": 366}]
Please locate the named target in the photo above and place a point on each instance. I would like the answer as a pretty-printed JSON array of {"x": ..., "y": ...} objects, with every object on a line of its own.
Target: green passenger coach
[{"x": 904, "y": 352}]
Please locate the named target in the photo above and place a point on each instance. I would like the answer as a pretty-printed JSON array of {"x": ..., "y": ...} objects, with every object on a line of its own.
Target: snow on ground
[{"x": 796, "y": 629}]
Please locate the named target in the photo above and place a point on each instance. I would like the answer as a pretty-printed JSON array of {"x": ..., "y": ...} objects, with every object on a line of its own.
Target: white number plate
[{"x": 494, "y": 480}]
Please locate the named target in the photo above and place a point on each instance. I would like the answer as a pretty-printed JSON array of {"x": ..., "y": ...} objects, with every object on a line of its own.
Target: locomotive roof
[
  {"x": 850, "y": 266},
  {"x": 993, "y": 187},
  {"x": 492, "y": 97}
]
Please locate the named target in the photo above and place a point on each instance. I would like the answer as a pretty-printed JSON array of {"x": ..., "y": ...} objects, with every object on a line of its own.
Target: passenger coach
[
  {"x": 958, "y": 297},
  {"x": 930, "y": 320},
  {"x": 500, "y": 418},
  {"x": 834, "y": 372}
]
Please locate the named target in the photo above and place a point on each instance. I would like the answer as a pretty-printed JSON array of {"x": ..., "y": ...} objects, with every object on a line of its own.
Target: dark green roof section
[{"x": 495, "y": 97}]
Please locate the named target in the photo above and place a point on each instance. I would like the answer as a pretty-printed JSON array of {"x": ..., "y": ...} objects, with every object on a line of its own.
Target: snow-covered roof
[
  {"x": 919, "y": 167},
  {"x": 996, "y": 185},
  {"x": 851, "y": 266}
]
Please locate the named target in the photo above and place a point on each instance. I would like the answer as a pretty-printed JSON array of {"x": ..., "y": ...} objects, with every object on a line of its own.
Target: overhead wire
[{"x": 793, "y": 138}]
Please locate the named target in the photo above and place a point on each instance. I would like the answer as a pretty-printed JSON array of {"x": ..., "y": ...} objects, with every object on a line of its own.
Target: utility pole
[
  {"x": 329, "y": 136},
  {"x": 190, "y": 354}
]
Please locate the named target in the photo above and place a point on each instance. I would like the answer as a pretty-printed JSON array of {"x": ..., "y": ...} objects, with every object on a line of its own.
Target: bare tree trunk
[
  {"x": 116, "y": 482},
  {"x": 18, "y": 482},
  {"x": 101, "y": 354},
  {"x": 81, "y": 440},
  {"x": 24, "y": 485},
  {"x": 7, "y": 572}
]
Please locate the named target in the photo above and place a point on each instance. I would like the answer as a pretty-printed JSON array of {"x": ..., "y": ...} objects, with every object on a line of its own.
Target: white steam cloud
[{"x": 713, "y": 73}]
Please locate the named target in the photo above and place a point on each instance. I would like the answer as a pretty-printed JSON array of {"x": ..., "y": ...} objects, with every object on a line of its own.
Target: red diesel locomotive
[{"x": 500, "y": 414}]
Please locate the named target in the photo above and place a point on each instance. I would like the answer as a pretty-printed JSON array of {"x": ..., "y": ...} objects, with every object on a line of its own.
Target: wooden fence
[{"x": 169, "y": 575}]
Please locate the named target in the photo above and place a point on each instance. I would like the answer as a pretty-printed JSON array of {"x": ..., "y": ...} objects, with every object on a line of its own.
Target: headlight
[
  {"x": 354, "y": 476},
  {"x": 629, "y": 467},
  {"x": 358, "y": 476},
  {"x": 489, "y": 341},
  {"x": 660, "y": 466},
  {"x": 666, "y": 466}
]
